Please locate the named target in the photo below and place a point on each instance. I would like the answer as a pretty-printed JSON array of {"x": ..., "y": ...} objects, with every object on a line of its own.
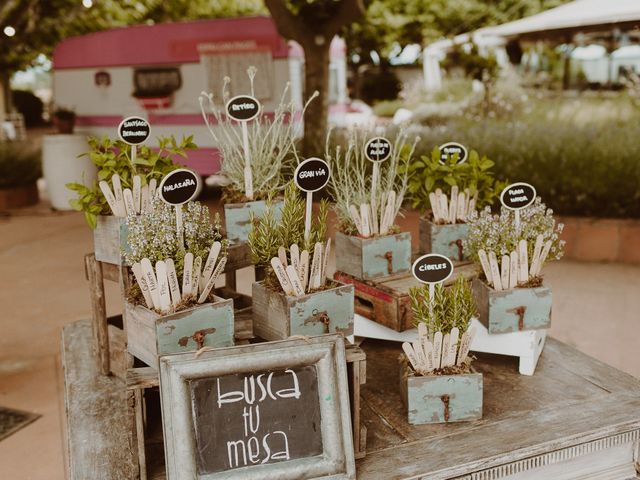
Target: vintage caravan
[{"x": 158, "y": 72}]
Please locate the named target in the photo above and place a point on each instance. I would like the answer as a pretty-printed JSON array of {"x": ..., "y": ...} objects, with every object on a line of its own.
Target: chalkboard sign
[
  {"x": 243, "y": 108},
  {"x": 134, "y": 130},
  {"x": 270, "y": 410},
  {"x": 377, "y": 149},
  {"x": 448, "y": 150},
  {"x": 312, "y": 175},
  {"x": 257, "y": 418},
  {"x": 517, "y": 196},
  {"x": 432, "y": 268},
  {"x": 179, "y": 186}
]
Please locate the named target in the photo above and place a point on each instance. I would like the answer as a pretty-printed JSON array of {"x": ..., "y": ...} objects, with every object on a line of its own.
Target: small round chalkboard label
[
  {"x": 377, "y": 149},
  {"x": 243, "y": 108},
  {"x": 432, "y": 268},
  {"x": 517, "y": 196},
  {"x": 312, "y": 175},
  {"x": 179, "y": 187},
  {"x": 134, "y": 130},
  {"x": 448, "y": 150}
]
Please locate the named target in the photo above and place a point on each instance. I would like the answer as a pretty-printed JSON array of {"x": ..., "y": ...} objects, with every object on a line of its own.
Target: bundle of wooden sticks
[
  {"x": 515, "y": 268},
  {"x": 161, "y": 289},
  {"x": 127, "y": 202},
  {"x": 458, "y": 209},
  {"x": 428, "y": 354},
  {"x": 366, "y": 220},
  {"x": 295, "y": 277}
]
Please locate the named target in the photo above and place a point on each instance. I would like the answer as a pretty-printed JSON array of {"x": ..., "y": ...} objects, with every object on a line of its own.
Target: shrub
[
  {"x": 379, "y": 84},
  {"x": 29, "y": 105},
  {"x": 20, "y": 165}
]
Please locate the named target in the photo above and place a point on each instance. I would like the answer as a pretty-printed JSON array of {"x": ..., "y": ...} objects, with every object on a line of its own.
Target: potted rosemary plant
[
  {"x": 296, "y": 298},
  {"x": 368, "y": 183},
  {"x": 448, "y": 192},
  {"x": 254, "y": 154},
  {"x": 171, "y": 306},
  {"x": 510, "y": 293},
  {"x": 121, "y": 184},
  {"x": 437, "y": 382}
]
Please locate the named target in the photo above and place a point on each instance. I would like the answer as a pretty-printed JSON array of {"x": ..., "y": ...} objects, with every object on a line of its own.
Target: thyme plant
[
  {"x": 271, "y": 142},
  {"x": 451, "y": 307},
  {"x": 351, "y": 175}
]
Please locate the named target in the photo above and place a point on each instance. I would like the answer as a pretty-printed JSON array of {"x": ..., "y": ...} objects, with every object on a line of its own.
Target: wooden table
[{"x": 576, "y": 418}]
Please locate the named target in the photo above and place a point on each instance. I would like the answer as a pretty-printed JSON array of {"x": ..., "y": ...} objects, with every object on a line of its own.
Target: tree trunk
[{"x": 316, "y": 73}]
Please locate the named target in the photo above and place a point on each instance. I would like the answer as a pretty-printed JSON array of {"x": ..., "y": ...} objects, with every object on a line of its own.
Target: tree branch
[
  {"x": 348, "y": 12},
  {"x": 286, "y": 22}
]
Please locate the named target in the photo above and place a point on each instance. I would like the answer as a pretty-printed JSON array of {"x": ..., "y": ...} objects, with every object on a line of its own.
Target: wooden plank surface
[
  {"x": 571, "y": 401},
  {"x": 100, "y": 428}
]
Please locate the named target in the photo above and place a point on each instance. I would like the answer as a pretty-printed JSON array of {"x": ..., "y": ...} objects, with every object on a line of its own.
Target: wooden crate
[
  {"x": 512, "y": 310},
  {"x": 277, "y": 316},
  {"x": 150, "y": 335},
  {"x": 386, "y": 301},
  {"x": 110, "y": 239},
  {"x": 443, "y": 239},
  {"x": 440, "y": 398},
  {"x": 237, "y": 217},
  {"x": 375, "y": 257}
]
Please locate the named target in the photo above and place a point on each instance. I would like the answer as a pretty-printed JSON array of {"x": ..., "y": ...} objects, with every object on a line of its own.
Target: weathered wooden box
[
  {"x": 443, "y": 239},
  {"x": 237, "y": 217},
  {"x": 375, "y": 257},
  {"x": 150, "y": 335},
  {"x": 441, "y": 398},
  {"x": 386, "y": 300},
  {"x": 277, "y": 316},
  {"x": 512, "y": 310},
  {"x": 110, "y": 239}
]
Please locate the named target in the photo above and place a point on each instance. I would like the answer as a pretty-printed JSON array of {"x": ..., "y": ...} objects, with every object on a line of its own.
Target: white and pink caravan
[{"x": 158, "y": 72}]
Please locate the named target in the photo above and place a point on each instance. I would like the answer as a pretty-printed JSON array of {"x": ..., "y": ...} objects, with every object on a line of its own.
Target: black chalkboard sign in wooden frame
[{"x": 187, "y": 416}]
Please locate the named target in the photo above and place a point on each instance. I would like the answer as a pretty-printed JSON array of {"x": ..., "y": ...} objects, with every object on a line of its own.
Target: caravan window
[
  {"x": 156, "y": 82},
  {"x": 234, "y": 64}
]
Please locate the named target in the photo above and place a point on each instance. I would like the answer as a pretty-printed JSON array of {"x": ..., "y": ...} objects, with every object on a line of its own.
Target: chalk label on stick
[
  {"x": 179, "y": 187},
  {"x": 517, "y": 196},
  {"x": 432, "y": 268},
  {"x": 448, "y": 150},
  {"x": 311, "y": 175},
  {"x": 243, "y": 108},
  {"x": 134, "y": 130},
  {"x": 377, "y": 149}
]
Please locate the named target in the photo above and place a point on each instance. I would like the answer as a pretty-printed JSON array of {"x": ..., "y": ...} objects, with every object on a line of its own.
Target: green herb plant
[
  {"x": 113, "y": 156},
  {"x": 20, "y": 165},
  {"x": 428, "y": 174},
  {"x": 268, "y": 234}
]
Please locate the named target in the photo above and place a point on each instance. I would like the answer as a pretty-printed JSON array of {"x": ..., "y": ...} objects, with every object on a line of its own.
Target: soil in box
[
  {"x": 441, "y": 398},
  {"x": 375, "y": 257},
  {"x": 150, "y": 335},
  {"x": 443, "y": 239},
  {"x": 237, "y": 217},
  {"x": 277, "y": 316},
  {"x": 512, "y": 310},
  {"x": 110, "y": 239}
]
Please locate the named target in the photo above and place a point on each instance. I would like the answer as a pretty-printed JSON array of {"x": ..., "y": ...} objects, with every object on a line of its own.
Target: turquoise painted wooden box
[
  {"x": 277, "y": 316},
  {"x": 443, "y": 239},
  {"x": 512, "y": 310},
  {"x": 375, "y": 257},
  {"x": 237, "y": 217},
  {"x": 110, "y": 239},
  {"x": 150, "y": 335},
  {"x": 441, "y": 398}
]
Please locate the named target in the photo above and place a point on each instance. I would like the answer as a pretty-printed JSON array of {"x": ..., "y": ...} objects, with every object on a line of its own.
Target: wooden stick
[
  {"x": 434, "y": 207},
  {"x": 462, "y": 204},
  {"x": 111, "y": 200},
  {"x": 375, "y": 227},
  {"x": 197, "y": 271},
  {"x": 137, "y": 198},
  {"x": 465, "y": 345},
  {"x": 437, "y": 350},
  {"x": 428, "y": 352},
  {"x": 174, "y": 286},
  {"x": 209, "y": 265},
  {"x": 325, "y": 261},
  {"x": 129, "y": 205},
  {"x": 307, "y": 215},
  {"x": 153, "y": 184},
  {"x": 212, "y": 280},
  {"x": 117, "y": 193},
  {"x": 304, "y": 269},
  {"x": 537, "y": 251},
  {"x": 163, "y": 286},
  {"x": 543, "y": 255},
  {"x": 187, "y": 276},
  {"x": 513, "y": 270},
  {"x": 137, "y": 272},
  {"x": 282, "y": 255},
  {"x": 295, "y": 281},
  {"x": 444, "y": 208},
  {"x": 364, "y": 217},
  {"x": 445, "y": 350},
  {"x": 411, "y": 356},
  {"x": 179, "y": 226},
  {"x": 495, "y": 271},
  {"x": 387, "y": 220},
  {"x": 420, "y": 356},
  {"x": 316, "y": 267},
  {"x": 453, "y": 206},
  {"x": 281, "y": 273},
  {"x": 150, "y": 278},
  {"x": 453, "y": 345},
  {"x": 505, "y": 271},
  {"x": 486, "y": 267},
  {"x": 248, "y": 177},
  {"x": 294, "y": 253},
  {"x": 144, "y": 198},
  {"x": 355, "y": 216},
  {"x": 523, "y": 262}
]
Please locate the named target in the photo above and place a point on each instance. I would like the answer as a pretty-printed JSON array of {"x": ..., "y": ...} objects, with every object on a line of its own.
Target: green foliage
[
  {"x": 475, "y": 66},
  {"x": 451, "y": 307},
  {"x": 268, "y": 234},
  {"x": 429, "y": 174},
  {"x": 113, "y": 156},
  {"x": 379, "y": 84},
  {"x": 154, "y": 235},
  {"x": 387, "y": 108},
  {"x": 20, "y": 165}
]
